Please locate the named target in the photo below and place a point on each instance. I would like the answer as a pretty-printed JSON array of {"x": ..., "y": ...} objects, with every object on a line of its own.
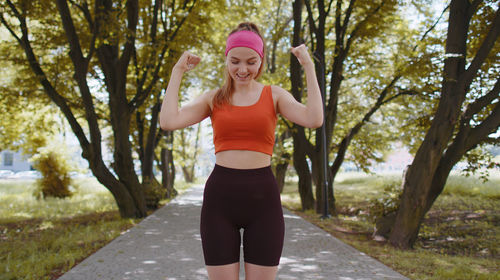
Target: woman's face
[{"x": 243, "y": 64}]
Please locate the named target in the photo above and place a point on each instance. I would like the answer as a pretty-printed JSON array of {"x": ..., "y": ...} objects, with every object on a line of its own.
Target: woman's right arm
[{"x": 171, "y": 117}]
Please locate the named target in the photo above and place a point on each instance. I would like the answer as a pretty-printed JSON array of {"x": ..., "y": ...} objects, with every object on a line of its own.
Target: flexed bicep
[
  {"x": 191, "y": 113},
  {"x": 293, "y": 110}
]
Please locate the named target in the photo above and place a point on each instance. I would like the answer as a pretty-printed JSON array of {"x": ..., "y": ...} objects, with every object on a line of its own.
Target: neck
[{"x": 248, "y": 87}]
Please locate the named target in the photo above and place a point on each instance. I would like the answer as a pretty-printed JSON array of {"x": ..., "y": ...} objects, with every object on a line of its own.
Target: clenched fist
[
  {"x": 187, "y": 61},
  {"x": 302, "y": 54}
]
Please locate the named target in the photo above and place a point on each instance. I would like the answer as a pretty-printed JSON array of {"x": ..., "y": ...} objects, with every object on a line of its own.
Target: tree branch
[
  {"x": 482, "y": 52},
  {"x": 49, "y": 89},
  {"x": 492, "y": 140},
  {"x": 92, "y": 27},
  {"x": 329, "y": 7},
  {"x": 432, "y": 26},
  {"x": 312, "y": 23},
  {"x": 347, "y": 17},
  {"x": 86, "y": 13},
  {"x": 179, "y": 25},
  {"x": 141, "y": 96},
  {"x": 473, "y": 7},
  {"x": 489, "y": 125},
  {"x": 482, "y": 102},
  {"x": 132, "y": 7},
  {"x": 358, "y": 26},
  {"x": 75, "y": 53},
  {"x": 338, "y": 25},
  {"x": 11, "y": 31},
  {"x": 153, "y": 31},
  {"x": 401, "y": 93},
  {"x": 80, "y": 65}
]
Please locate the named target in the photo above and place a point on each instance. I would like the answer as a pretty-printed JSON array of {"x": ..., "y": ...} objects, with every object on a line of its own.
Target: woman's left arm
[{"x": 311, "y": 114}]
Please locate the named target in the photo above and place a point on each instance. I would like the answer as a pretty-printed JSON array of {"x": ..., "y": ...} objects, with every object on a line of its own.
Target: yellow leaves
[{"x": 54, "y": 166}]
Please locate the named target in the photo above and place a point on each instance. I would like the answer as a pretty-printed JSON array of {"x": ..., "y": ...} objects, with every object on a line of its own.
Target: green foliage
[
  {"x": 458, "y": 239},
  {"x": 89, "y": 196},
  {"x": 42, "y": 239},
  {"x": 45, "y": 238},
  {"x": 387, "y": 203},
  {"x": 469, "y": 186},
  {"x": 153, "y": 192},
  {"x": 188, "y": 147},
  {"x": 55, "y": 167},
  {"x": 44, "y": 249},
  {"x": 55, "y": 181},
  {"x": 479, "y": 162}
]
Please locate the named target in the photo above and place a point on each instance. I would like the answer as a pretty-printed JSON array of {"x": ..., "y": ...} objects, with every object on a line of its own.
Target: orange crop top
[{"x": 245, "y": 127}]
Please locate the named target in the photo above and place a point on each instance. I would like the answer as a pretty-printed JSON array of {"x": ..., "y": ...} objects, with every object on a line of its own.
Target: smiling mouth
[{"x": 242, "y": 76}]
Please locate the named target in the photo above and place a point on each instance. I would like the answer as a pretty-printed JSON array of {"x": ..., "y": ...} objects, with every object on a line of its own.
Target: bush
[
  {"x": 55, "y": 181},
  {"x": 388, "y": 203}
]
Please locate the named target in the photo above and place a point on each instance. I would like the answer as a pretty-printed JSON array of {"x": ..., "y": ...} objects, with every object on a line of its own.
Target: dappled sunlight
[
  {"x": 167, "y": 245},
  {"x": 286, "y": 216},
  {"x": 189, "y": 199},
  {"x": 310, "y": 253},
  {"x": 159, "y": 247},
  {"x": 89, "y": 197},
  {"x": 344, "y": 176}
]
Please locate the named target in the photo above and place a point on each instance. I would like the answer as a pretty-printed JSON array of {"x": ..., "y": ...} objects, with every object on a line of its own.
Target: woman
[{"x": 241, "y": 191}]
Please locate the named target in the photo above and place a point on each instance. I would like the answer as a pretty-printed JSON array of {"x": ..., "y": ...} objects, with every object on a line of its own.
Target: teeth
[{"x": 242, "y": 76}]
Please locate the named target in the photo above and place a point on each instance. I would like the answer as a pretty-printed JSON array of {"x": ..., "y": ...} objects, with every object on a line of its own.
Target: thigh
[
  {"x": 258, "y": 272},
  {"x": 220, "y": 239},
  {"x": 263, "y": 239},
  {"x": 224, "y": 272}
]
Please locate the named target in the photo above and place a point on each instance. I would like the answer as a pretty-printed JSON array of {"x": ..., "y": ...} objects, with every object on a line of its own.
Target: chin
[{"x": 243, "y": 82}]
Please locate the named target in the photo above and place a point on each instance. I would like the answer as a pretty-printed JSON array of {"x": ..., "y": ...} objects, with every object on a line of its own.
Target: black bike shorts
[{"x": 246, "y": 199}]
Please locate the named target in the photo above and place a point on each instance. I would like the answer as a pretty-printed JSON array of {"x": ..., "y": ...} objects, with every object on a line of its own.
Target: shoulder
[
  {"x": 208, "y": 97},
  {"x": 279, "y": 92},
  {"x": 210, "y": 94}
]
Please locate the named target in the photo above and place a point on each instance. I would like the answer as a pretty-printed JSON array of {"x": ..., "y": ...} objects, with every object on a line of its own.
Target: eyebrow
[{"x": 233, "y": 57}]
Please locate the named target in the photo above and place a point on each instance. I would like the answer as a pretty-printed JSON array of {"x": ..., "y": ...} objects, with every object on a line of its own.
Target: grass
[
  {"x": 90, "y": 196},
  {"x": 458, "y": 239},
  {"x": 42, "y": 239}
]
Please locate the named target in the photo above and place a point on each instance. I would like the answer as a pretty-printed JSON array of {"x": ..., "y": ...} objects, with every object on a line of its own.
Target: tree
[
  {"x": 360, "y": 33},
  {"x": 299, "y": 139},
  {"x": 98, "y": 41},
  {"x": 188, "y": 152},
  {"x": 465, "y": 117}
]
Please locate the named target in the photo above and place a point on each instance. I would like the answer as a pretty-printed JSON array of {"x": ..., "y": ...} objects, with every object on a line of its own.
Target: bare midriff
[{"x": 242, "y": 159}]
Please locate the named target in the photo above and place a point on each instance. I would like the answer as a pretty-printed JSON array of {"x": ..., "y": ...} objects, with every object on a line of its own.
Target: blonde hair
[{"x": 224, "y": 94}]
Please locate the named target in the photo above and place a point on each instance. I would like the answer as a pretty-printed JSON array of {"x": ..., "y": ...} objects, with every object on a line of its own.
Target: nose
[{"x": 243, "y": 68}]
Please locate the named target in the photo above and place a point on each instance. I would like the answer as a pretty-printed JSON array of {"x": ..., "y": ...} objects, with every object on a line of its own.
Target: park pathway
[{"x": 167, "y": 246}]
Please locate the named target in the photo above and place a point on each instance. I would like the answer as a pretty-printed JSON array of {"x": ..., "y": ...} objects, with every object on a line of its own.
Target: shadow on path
[{"x": 167, "y": 245}]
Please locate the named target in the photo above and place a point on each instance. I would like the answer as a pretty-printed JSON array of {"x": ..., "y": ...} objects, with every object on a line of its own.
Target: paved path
[{"x": 167, "y": 245}]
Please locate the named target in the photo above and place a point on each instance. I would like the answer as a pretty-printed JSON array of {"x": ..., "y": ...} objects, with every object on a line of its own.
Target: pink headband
[{"x": 245, "y": 38}]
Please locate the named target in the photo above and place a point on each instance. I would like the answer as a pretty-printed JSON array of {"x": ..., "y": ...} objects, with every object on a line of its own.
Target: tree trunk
[
  {"x": 147, "y": 159},
  {"x": 300, "y": 143},
  {"x": 153, "y": 191},
  {"x": 123, "y": 162},
  {"x": 419, "y": 178},
  {"x": 114, "y": 51},
  {"x": 168, "y": 167},
  {"x": 188, "y": 173},
  {"x": 124, "y": 200},
  {"x": 304, "y": 174},
  {"x": 317, "y": 175},
  {"x": 465, "y": 140},
  {"x": 280, "y": 171}
]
